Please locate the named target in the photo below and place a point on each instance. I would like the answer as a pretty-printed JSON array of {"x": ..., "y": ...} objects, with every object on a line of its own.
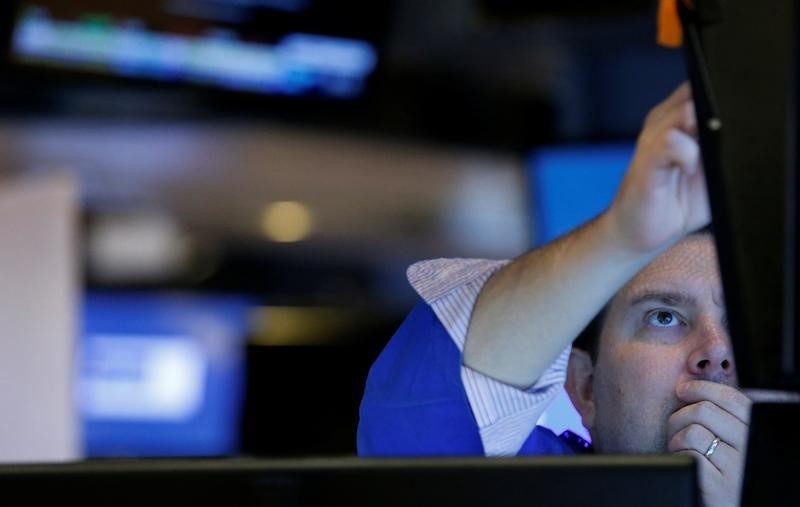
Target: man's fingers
[
  {"x": 682, "y": 94},
  {"x": 715, "y": 411},
  {"x": 700, "y": 214},
  {"x": 708, "y": 415},
  {"x": 679, "y": 116},
  {"x": 669, "y": 140},
  {"x": 682, "y": 116},
  {"x": 676, "y": 148},
  {"x": 717, "y": 488},
  {"x": 728, "y": 398},
  {"x": 698, "y": 439},
  {"x": 707, "y": 469}
]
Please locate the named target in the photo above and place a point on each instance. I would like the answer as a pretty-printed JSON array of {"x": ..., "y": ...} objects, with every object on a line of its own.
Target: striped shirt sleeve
[{"x": 506, "y": 415}]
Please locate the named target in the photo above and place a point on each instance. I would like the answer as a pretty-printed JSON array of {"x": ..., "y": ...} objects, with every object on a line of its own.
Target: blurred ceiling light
[
  {"x": 486, "y": 210},
  {"x": 286, "y": 221}
]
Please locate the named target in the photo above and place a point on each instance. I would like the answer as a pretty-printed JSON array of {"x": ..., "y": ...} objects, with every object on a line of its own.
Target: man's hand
[
  {"x": 714, "y": 411},
  {"x": 530, "y": 310},
  {"x": 663, "y": 195}
]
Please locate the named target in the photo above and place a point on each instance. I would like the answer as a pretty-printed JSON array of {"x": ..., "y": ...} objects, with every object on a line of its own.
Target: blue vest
[{"x": 415, "y": 404}]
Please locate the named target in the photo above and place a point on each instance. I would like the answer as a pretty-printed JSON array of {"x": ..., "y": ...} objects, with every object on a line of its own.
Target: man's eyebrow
[{"x": 672, "y": 298}]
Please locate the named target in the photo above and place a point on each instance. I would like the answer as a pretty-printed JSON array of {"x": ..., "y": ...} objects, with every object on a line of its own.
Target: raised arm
[{"x": 534, "y": 307}]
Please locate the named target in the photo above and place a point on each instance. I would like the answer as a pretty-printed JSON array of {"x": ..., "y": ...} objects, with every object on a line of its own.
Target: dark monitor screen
[
  {"x": 749, "y": 55},
  {"x": 556, "y": 481},
  {"x": 742, "y": 61}
]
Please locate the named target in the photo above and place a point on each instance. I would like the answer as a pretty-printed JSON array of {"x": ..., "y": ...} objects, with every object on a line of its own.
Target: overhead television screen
[{"x": 276, "y": 47}]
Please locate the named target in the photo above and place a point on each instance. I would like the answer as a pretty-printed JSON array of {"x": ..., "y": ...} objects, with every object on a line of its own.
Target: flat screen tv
[{"x": 285, "y": 48}]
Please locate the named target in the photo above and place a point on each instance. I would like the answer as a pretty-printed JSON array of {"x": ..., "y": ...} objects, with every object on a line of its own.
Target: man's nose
[{"x": 712, "y": 356}]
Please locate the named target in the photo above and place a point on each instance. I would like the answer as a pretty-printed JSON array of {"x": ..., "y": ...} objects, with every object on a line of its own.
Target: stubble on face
[
  {"x": 635, "y": 380},
  {"x": 627, "y": 425}
]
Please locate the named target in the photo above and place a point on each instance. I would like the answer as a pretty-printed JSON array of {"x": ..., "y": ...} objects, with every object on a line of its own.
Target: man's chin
[
  {"x": 642, "y": 444},
  {"x": 657, "y": 446}
]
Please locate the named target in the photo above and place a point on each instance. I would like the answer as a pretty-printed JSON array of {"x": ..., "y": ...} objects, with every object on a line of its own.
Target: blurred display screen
[
  {"x": 162, "y": 374},
  {"x": 279, "y": 47},
  {"x": 571, "y": 184}
]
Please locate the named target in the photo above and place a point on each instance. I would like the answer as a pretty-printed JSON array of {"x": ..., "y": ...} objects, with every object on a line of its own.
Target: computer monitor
[
  {"x": 162, "y": 373},
  {"x": 742, "y": 66},
  {"x": 742, "y": 62},
  {"x": 617, "y": 481},
  {"x": 286, "y": 48}
]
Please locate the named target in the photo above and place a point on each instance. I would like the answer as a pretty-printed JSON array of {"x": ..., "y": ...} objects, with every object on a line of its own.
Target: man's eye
[{"x": 663, "y": 318}]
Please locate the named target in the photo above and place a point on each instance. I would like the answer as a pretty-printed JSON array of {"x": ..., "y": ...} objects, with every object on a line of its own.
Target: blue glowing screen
[
  {"x": 162, "y": 374},
  {"x": 572, "y": 184}
]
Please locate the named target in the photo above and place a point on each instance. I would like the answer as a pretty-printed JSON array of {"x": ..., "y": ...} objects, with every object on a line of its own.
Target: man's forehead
[{"x": 688, "y": 265}]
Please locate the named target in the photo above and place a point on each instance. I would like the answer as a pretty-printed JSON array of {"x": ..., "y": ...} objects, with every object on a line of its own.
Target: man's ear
[{"x": 579, "y": 385}]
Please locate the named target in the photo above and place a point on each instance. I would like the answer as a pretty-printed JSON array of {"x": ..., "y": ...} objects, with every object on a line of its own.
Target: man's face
[{"x": 665, "y": 327}]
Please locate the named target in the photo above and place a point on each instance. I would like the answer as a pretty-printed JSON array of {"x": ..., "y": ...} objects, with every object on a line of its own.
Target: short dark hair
[{"x": 588, "y": 339}]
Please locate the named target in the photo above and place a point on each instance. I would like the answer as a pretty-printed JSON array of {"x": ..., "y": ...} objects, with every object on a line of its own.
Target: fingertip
[
  {"x": 691, "y": 120},
  {"x": 684, "y": 90}
]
